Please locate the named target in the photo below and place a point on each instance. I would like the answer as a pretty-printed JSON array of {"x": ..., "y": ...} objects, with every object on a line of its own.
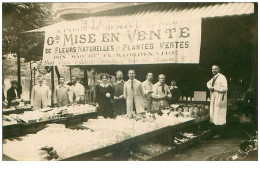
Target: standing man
[
  {"x": 161, "y": 94},
  {"x": 13, "y": 94},
  {"x": 148, "y": 90},
  {"x": 218, "y": 98},
  {"x": 76, "y": 91},
  {"x": 61, "y": 94},
  {"x": 41, "y": 95},
  {"x": 120, "y": 103},
  {"x": 175, "y": 91},
  {"x": 133, "y": 93}
]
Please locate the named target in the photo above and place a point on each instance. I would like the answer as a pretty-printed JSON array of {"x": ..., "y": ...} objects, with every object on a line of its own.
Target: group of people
[
  {"x": 63, "y": 95},
  {"x": 121, "y": 97},
  {"x": 133, "y": 96},
  {"x": 41, "y": 96}
]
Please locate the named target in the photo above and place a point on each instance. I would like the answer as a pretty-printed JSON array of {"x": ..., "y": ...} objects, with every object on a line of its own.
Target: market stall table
[
  {"x": 169, "y": 131},
  {"x": 15, "y": 110},
  {"x": 31, "y": 123},
  {"x": 109, "y": 135}
]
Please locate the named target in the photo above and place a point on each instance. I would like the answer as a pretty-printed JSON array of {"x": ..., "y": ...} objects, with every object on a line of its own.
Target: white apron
[{"x": 218, "y": 100}]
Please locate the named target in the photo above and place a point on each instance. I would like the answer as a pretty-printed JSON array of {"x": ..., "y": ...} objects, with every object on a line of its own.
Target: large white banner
[{"x": 97, "y": 41}]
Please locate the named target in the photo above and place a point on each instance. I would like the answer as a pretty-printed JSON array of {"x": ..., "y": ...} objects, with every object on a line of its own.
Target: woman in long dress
[{"x": 105, "y": 96}]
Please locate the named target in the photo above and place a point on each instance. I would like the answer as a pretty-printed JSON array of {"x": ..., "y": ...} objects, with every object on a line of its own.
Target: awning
[
  {"x": 163, "y": 12},
  {"x": 163, "y": 34}
]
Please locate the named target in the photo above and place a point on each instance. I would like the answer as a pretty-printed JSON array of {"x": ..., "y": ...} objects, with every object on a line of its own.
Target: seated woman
[
  {"x": 175, "y": 92},
  {"x": 104, "y": 96}
]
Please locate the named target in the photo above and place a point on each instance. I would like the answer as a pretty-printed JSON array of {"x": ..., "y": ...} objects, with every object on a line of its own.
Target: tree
[{"x": 20, "y": 17}]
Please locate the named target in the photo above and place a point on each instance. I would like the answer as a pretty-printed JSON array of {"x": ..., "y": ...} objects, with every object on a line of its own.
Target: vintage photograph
[{"x": 129, "y": 81}]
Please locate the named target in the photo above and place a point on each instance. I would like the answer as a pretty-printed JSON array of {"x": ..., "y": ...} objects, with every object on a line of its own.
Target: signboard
[{"x": 101, "y": 41}]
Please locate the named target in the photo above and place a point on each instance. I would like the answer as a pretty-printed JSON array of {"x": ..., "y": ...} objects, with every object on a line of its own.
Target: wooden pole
[
  {"x": 70, "y": 75},
  {"x": 85, "y": 81},
  {"x": 34, "y": 73},
  {"x": 57, "y": 73},
  {"x": 52, "y": 81},
  {"x": 31, "y": 79},
  {"x": 19, "y": 66}
]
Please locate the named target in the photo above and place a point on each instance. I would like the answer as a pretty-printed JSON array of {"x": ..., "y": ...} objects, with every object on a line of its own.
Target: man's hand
[
  {"x": 150, "y": 92},
  {"x": 164, "y": 97},
  {"x": 116, "y": 98},
  {"x": 211, "y": 88},
  {"x": 159, "y": 97}
]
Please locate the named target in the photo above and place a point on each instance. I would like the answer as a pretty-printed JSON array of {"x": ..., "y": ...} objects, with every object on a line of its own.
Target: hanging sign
[{"x": 100, "y": 41}]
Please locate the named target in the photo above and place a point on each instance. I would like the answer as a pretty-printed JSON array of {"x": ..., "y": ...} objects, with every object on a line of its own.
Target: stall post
[
  {"x": 85, "y": 82},
  {"x": 34, "y": 73},
  {"x": 18, "y": 65},
  {"x": 31, "y": 79},
  {"x": 70, "y": 73},
  {"x": 52, "y": 81},
  {"x": 57, "y": 73}
]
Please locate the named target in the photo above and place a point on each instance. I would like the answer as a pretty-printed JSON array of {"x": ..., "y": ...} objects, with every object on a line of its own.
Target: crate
[
  {"x": 142, "y": 155},
  {"x": 197, "y": 139}
]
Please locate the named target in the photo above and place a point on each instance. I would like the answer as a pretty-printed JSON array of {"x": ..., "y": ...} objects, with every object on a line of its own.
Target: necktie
[
  {"x": 132, "y": 84},
  {"x": 214, "y": 80},
  {"x": 163, "y": 90}
]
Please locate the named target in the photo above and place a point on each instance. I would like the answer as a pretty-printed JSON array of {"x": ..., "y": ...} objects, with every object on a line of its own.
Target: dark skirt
[{"x": 105, "y": 109}]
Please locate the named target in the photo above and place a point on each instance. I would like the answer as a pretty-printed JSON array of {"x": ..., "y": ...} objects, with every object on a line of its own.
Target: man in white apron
[
  {"x": 218, "y": 98},
  {"x": 41, "y": 95}
]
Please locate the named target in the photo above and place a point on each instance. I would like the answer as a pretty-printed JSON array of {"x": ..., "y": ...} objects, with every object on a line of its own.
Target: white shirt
[{"x": 76, "y": 91}]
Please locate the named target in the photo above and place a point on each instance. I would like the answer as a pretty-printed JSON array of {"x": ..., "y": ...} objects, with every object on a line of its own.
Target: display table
[
  {"x": 15, "y": 111},
  {"x": 193, "y": 102},
  {"x": 169, "y": 131},
  {"x": 75, "y": 139},
  {"x": 21, "y": 129}
]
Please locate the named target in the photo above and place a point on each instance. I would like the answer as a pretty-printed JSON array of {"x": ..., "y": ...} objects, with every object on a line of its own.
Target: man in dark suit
[{"x": 12, "y": 93}]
